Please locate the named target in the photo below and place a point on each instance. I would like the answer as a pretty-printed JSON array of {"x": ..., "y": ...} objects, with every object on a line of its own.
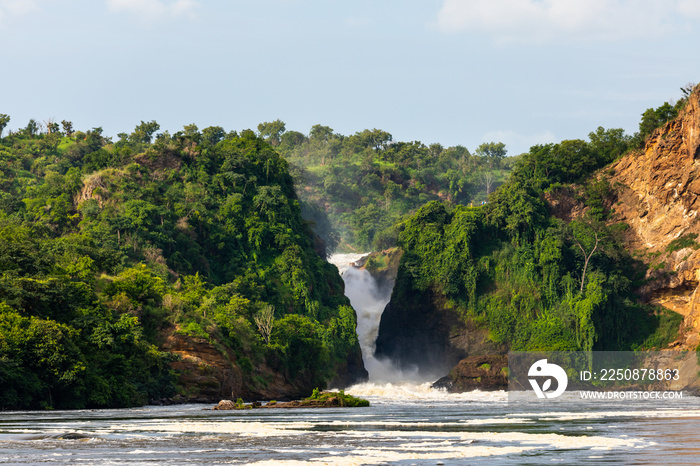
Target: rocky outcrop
[
  {"x": 351, "y": 373},
  {"x": 414, "y": 334},
  {"x": 203, "y": 370},
  {"x": 208, "y": 373},
  {"x": 383, "y": 266},
  {"x": 485, "y": 372},
  {"x": 226, "y": 405},
  {"x": 564, "y": 203},
  {"x": 420, "y": 332},
  {"x": 658, "y": 192}
]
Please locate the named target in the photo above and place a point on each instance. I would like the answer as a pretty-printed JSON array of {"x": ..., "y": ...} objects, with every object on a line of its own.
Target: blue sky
[{"x": 449, "y": 71}]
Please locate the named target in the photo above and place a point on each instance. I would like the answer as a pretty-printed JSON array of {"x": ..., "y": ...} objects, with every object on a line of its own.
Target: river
[{"x": 408, "y": 423}]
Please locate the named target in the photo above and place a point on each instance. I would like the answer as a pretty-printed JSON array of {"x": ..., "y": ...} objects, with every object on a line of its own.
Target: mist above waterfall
[{"x": 369, "y": 299}]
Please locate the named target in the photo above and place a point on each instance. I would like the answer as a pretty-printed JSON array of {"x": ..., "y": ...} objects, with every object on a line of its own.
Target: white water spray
[{"x": 369, "y": 300}]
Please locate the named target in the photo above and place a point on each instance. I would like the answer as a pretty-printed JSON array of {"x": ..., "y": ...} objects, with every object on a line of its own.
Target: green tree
[
  {"x": 144, "y": 132},
  {"x": 265, "y": 319},
  {"x": 272, "y": 131},
  {"x": 305, "y": 355},
  {"x": 435, "y": 150},
  {"x": 653, "y": 118},
  {"x": 688, "y": 89},
  {"x": 493, "y": 152},
  {"x": 496, "y": 150},
  {"x": 588, "y": 237},
  {"x": 32, "y": 128},
  {"x": 293, "y": 138},
  {"x": 609, "y": 144},
  {"x": 52, "y": 127},
  {"x": 67, "y": 127},
  {"x": 375, "y": 139},
  {"x": 321, "y": 133},
  {"x": 4, "y": 120},
  {"x": 192, "y": 132},
  {"x": 213, "y": 134}
]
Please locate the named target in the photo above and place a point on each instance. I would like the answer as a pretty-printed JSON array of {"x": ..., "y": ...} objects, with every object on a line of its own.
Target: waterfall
[{"x": 369, "y": 300}]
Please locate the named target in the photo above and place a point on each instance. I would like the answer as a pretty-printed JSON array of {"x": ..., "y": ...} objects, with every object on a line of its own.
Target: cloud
[
  {"x": 18, "y": 7},
  {"x": 184, "y": 7},
  {"x": 154, "y": 9},
  {"x": 689, "y": 8},
  {"x": 15, "y": 8},
  {"x": 547, "y": 20}
]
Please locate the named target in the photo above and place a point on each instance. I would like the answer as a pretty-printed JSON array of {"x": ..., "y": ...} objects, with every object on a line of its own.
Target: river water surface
[{"x": 405, "y": 424}]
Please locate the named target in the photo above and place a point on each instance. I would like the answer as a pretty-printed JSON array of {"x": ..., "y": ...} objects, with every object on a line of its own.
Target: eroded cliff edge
[{"x": 658, "y": 196}]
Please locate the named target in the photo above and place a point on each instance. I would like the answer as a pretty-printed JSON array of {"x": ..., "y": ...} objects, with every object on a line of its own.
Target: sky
[{"x": 522, "y": 72}]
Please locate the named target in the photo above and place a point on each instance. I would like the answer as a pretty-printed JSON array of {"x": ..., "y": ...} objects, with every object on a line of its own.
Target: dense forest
[
  {"x": 107, "y": 247},
  {"x": 356, "y": 188}
]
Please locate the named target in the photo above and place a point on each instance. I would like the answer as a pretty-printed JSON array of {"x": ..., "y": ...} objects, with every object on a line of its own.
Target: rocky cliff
[
  {"x": 658, "y": 196},
  {"x": 383, "y": 266},
  {"x": 208, "y": 371}
]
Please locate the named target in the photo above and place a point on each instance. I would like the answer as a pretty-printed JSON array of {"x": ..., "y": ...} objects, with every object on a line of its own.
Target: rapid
[{"x": 407, "y": 423}]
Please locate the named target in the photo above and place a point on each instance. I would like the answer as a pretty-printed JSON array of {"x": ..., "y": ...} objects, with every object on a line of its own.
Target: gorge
[{"x": 182, "y": 269}]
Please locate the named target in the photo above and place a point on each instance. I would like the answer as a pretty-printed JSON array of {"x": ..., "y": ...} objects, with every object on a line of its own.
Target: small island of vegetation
[{"x": 318, "y": 399}]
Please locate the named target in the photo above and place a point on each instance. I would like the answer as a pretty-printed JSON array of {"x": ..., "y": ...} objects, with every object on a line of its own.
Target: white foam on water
[
  {"x": 523, "y": 438},
  {"x": 238, "y": 427},
  {"x": 462, "y": 446},
  {"x": 568, "y": 416},
  {"x": 345, "y": 261},
  {"x": 411, "y": 392},
  {"x": 376, "y": 456},
  {"x": 421, "y": 424},
  {"x": 427, "y": 440}
]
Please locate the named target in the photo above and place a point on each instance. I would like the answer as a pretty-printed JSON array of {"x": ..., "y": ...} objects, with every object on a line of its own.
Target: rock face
[
  {"x": 658, "y": 192},
  {"x": 383, "y": 266},
  {"x": 207, "y": 375},
  {"x": 204, "y": 371},
  {"x": 415, "y": 334},
  {"x": 420, "y": 332},
  {"x": 353, "y": 372},
  {"x": 486, "y": 372}
]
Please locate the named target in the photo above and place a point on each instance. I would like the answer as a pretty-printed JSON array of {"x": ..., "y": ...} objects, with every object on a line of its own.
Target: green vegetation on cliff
[
  {"x": 107, "y": 247},
  {"x": 536, "y": 281}
]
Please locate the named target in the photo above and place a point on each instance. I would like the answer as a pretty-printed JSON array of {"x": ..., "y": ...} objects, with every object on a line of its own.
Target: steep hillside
[
  {"x": 175, "y": 269},
  {"x": 658, "y": 196}
]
